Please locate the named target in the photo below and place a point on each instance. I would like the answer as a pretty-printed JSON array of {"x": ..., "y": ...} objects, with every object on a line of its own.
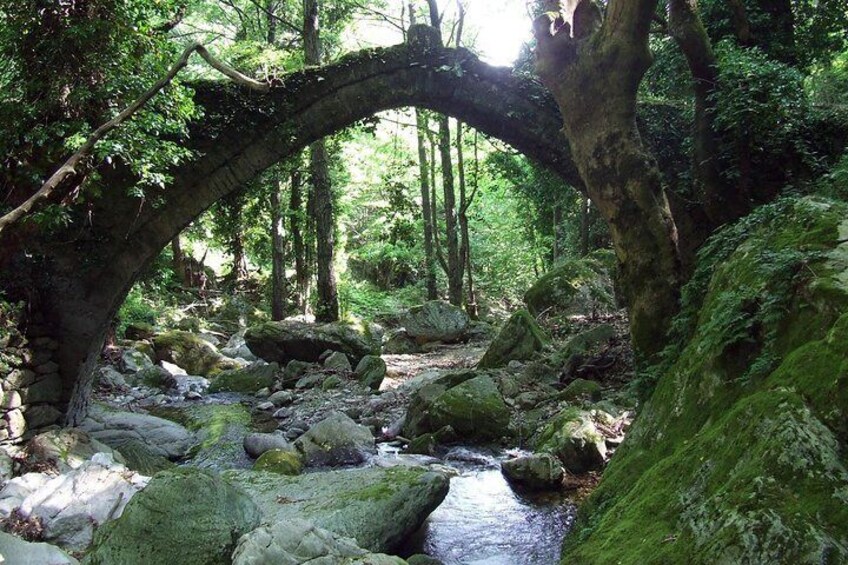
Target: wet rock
[
  {"x": 573, "y": 437},
  {"x": 337, "y": 361},
  {"x": 379, "y": 507},
  {"x": 246, "y": 380},
  {"x": 73, "y": 505},
  {"x": 519, "y": 339},
  {"x": 114, "y": 428},
  {"x": 14, "y": 550},
  {"x": 371, "y": 371},
  {"x": 296, "y": 542},
  {"x": 256, "y": 444},
  {"x": 183, "y": 514},
  {"x": 336, "y": 440},
  {"x": 279, "y": 461},
  {"x": 534, "y": 472},
  {"x": 189, "y": 351},
  {"x": 436, "y": 321},
  {"x": 288, "y": 340}
]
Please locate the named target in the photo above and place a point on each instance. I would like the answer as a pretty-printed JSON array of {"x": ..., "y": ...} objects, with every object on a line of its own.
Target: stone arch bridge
[{"x": 88, "y": 270}]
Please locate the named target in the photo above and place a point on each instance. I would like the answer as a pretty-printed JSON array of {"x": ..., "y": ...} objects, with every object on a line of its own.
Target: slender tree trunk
[
  {"x": 278, "y": 269},
  {"x": 585, "y": 210},
  {"x": 464, "y": 234},
  {"x": 296, "y": 216},
  {"x": 426, "y": 209},
  {"x": 178, "y": 261},
  {"x": 594, "y": 76},
  {"x": 449, "y": 191},
  {"x": 327, "y": 309},
  {"x": 434, "y": 209}
]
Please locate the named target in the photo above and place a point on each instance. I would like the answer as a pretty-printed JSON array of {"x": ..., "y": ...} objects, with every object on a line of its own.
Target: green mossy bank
[{"x": 740, "y": 454}]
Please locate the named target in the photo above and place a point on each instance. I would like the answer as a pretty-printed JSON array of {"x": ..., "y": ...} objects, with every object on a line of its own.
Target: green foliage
[
  {"x": 361, "y": 299},
  {"x": 137, "y": 308}
]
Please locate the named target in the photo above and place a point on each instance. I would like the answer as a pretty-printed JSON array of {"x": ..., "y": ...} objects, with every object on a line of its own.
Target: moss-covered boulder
[
  {"x": 519, "y": 339},
  {"x": 246, "y": 380},
  {"x": 436, "y": 321},
  {"x": 573, "y": 438},
  {"x": 191, "y": 352},
  {"x": 141, "y": 458},
  {"x": 294, "y": 340},
  {"x": 739, "y": 455},
  {"x": 379, "y": 508},
  {"x": 183, "y": 514},
  {"x": 472, "y": 407},
  {"x": 280, "y": 461},
  {"x": 581, "y": 389},
  {"x": 574, "y": 287}
]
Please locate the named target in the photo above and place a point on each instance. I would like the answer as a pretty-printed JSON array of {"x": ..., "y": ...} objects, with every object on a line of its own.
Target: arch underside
[{"x": 241, "y": 134}]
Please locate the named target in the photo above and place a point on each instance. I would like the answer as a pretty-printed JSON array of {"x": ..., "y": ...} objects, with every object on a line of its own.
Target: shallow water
[{"x": 483, "y": 521}]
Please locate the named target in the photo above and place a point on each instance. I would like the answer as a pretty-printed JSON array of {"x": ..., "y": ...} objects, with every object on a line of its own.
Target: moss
[
  {"x": 280, "y": 462},
  {"x": 559, "y": 289},
  {"x": 246, "y": 380},
  {"x": 738, "y": 457},
  {"x": 192, "y": 353},
  {"x": 581, "y": 388}
]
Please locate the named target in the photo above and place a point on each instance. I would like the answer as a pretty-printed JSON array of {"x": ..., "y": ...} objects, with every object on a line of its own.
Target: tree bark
[
  {"x": 585, "y": 209},
  {"x": 426, "y": 208},
  {"x": 296, "y": 227},
  {"x": 278, "y": 268},
  {"x": 464, "y": 232},
  {"x": 594, "y": 77},
  {"x": 327, "y": 308},
  {"x": 453, "y": 258},
  {"x": 178, "y": 262}
]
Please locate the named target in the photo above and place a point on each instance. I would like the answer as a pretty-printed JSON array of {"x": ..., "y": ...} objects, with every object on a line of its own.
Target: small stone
[
  {"x": 263, "y": 393},
  {"x": 281, "y": 398},
  {"x": 17, "y": 423},
  {"x": 193, "y": 395},
  {"x": 282, "y": 413},
  {"x": 279, "y": 461},
  {"x": 535, "y": 472},
  {"x": 10, "y": 400},
  {"x": 256, "y": 444},
  {"x": 337, "y": 361},
  {"x": 265, "y": 406}
]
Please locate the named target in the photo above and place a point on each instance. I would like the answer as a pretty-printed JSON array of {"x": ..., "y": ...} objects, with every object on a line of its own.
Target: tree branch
[{"x": 69, "y": 168}]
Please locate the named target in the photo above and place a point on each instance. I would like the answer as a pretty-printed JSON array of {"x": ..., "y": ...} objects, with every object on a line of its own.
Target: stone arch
[{"x": 244, "y": 132}]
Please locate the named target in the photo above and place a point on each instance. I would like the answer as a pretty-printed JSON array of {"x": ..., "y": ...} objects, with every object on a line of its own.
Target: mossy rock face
[
  {"x": 575, "y": 287},
  {"x": 371, "y": 371},
  {"x": 336, "y": 440},
  {"x": 289, "y": 340},
  {"x": 436, "y": 321},
  {"x": 194, "y": 354},
  {"x": 140, "y": 458},
  {"x": 581, "y": 389},
  {"x": 246, "y": 380},
  {"x": 474, "y": 409},
  {"x": 279, "y": 461},
  {"x": 739, "y": 455},
  {"x": 183, "y": 514},
  {"x": 519, "y": 339},
  {"x": 535, "y": 472}
]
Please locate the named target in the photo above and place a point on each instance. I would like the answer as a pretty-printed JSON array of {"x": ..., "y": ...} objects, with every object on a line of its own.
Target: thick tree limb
[{"x": 56, "y": 186}]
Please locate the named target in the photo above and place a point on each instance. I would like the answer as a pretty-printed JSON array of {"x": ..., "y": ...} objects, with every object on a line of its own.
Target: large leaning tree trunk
[
  {"x": 593, "y": 66},
  {"x": 327, "y": 309}
]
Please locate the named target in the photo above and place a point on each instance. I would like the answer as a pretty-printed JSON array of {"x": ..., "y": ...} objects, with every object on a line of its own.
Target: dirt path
[{"x": 403, "y": 367}]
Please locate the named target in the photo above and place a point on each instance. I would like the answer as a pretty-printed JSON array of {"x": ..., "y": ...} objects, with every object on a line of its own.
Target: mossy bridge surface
[{"x": 87, "y": 276}]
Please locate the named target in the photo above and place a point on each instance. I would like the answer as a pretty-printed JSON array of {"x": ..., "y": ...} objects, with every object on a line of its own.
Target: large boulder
[
  {"x": 573, "y": 437},
  {"x": 519, "y": 339},
  {"x": 436, "y": 321},
  {"x": 297, "y": 542},
  {"x": 739, "y": 454},
  {"x": 186, "y": 515},
  {"x": 534, "y": 472},
  {"x": 371, "y": 371},
  {"x": 246, "y": 380},
  {"x": 294, "y": 340},
  {"x": 191, "y": 352},
  {"x": 64, "y": 450},
  {"x": 115, "y": 428},
  {"x": 380, "y": 508},
  {"x": 15, "y": 551},
  {"x": 574, "y": 287},
  {"x": 336, "y": 440},
  {"x": 280, "y": 461},
  {"x": 470, "y": 404},
  {"x": 256, "y": 444},
  {"x": 71, "y": 506}
]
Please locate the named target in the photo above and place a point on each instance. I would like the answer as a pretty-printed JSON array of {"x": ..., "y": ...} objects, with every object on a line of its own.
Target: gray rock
[
  {"x": 45, "y": 389},
  {"x": 297, "y": 542},
  {"x": 183, "y": 384},
  {"x": 336, "y": 440},
  {"x": 108, "y": 378},
  {"x": 184, "y": 516},
  {"x": 6, "y": 466},
  {"x": 256, "y": 444},
  {"x": 193, "y": 395},
  {"x": 15, "y": 423},
  {"x": 40, "y": 416},
  {"x": 535, "y": 472},
  {"x": 573, "y": 437},
  {"x": 265, "y": 406},
  {"x": 436, "y": 321},
  {"x": 133, "y": 361},
  {"x": 378, "y": 507},
  {"x": 398, "y": 342},
  {"x": 15, "y": 551},
  {"x": 281, "y": 398},
  {"x": 236, "y": 348},
  {"x": 10, "y": 400},
  {"x": 337, "y": 361},
  {"x": 289, "y": 339},
  {"x": 65, "y": 450},
  {"x": 114, "y": 428},
  {"x": 72, "y": 506},
  {"x": 519, "y": 339},
  {"x": 371, "y": 371}
]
